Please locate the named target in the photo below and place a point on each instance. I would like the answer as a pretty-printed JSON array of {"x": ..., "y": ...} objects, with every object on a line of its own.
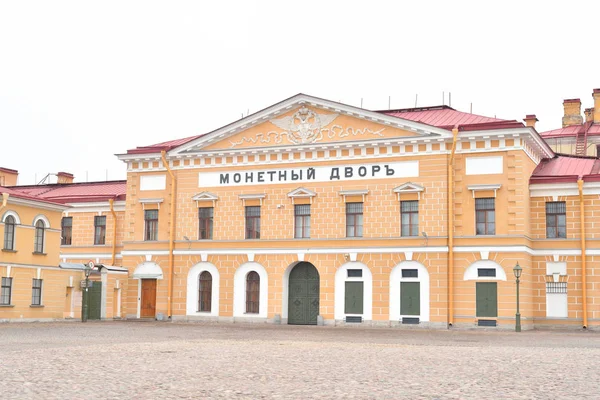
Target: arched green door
[{"x": 303, "y": 295}]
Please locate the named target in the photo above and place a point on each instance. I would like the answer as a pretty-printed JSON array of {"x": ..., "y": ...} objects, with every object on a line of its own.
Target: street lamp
[
  {"x": 517, "y": 270},
  {"x": 87, "y": 270}
]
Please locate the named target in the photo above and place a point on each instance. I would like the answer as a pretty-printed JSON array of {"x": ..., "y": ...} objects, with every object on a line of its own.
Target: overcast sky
[{"x": 81, "y": 81}]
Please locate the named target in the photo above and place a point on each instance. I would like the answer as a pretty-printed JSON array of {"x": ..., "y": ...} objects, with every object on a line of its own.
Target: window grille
[
  {"x": 151, "y": 219},
  {"x": 485, "y": 216},
  {"x": 556, "y": 219},
  {"x": 556, "y": 287},
  {"x": 205, "y": 223},
  {"x": 409, "y": 214},
  {"x": 354, "y": 219},
  {"x": 302, "y": 221},
  {"x": 252, "y": 222}
]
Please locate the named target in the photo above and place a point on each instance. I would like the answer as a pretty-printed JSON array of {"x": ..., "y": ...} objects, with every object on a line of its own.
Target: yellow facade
[{"x": 456, "y": 274}]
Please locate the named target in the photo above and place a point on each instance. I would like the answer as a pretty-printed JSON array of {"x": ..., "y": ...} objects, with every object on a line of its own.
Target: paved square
[{"x": 143, "y": 360}]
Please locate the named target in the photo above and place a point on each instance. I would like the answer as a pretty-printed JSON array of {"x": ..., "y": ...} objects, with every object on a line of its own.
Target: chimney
[
  {"x": 596, "y": 95},
  {"x": 65, "y": 177},
  {"x": 572, "y": 112},
  {"x": 589, "y": 114},
  {"x": 530, "y": 120},
  {"x": 8, "y": 177}
]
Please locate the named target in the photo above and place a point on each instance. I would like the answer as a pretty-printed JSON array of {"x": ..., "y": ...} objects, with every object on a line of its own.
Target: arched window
[
  {"x": 252, "y": 292},
  {"x": 40, "y": 229},
  {"x": 204, "y": 291},
  {"x": 9, "y": 233}
]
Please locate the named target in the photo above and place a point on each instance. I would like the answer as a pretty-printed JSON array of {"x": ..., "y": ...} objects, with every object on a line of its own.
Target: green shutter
[
  {"x": 354, "y": 298},
  {"x": 410, "y": 298},
  {"x": 487, "y": 299}
]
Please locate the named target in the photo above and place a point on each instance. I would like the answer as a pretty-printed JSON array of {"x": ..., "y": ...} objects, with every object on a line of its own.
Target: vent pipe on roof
[
  {"x": 572, "y": 115},
  {"x": 530, "y": 120}
]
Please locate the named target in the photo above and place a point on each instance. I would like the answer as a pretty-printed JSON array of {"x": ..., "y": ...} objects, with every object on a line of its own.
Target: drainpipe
[
  {"x": 451, "y": 229},
  {"x": 171, "y": 233},
  {"x": 583, "y": 266},
  {"x": 4, "y": 200},
  {"x": 114, "y": 244}
]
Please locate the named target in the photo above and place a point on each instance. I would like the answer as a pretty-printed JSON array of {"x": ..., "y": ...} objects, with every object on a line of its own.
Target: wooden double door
[
  {"x": 148, "y": 299},
  {"x": 303, "y": 295}
]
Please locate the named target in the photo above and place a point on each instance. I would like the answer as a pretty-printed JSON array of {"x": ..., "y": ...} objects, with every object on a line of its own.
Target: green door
[
  {"x": 95, "y": 300},
  {"x": 353, "y": 303},
  {"x": 410, "y": 298},
  {"x": 487, "y": 299},
  {"x": 303, "y": 296}
]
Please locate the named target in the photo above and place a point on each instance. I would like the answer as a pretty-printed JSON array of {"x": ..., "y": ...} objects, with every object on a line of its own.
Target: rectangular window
[
  {"x": 354, "y": 219},
  {"x": 489, "y": 272},
  {"x": 66, "y": 236},
  {"x": 409, "y": 213},
  {"x": 302, "y": 221},
  {"x": 6, "y": 292},
  {"x": 151, "y": 225},
  {"x": 205, "y": 223},
  {"x": 410, "y": 273},
  {"x": 355, "y": 273},
  {"x": 556, "y": 219},
  {"x": 100, "y": 230},
  {"x": 36, "y": 292},
  {"x": 252, "y": 222},
  {"x": 485, "y": 216}
]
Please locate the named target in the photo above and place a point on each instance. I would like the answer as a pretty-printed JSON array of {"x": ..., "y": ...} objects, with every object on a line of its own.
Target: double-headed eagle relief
[{"x": 304, "y": 126}]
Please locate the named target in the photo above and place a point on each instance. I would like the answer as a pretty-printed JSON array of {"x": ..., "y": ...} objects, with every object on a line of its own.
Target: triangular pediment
[
  {"x": 304, "y": 120},
  {"x": 205, "y": 196},
  {"x": 301, "y": 193},
  {"x": 409, "y": 187}
]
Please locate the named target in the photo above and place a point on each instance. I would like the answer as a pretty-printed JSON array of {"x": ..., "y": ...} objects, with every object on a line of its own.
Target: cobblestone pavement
[{"x": 147, "y": 360}]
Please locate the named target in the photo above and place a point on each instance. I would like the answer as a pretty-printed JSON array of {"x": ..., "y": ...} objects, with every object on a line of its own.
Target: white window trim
[
  {"x": 341, "y": 277},
  {"x": 395, "y": 295},
  {"x": 347, "y": 193},
  {"x": 301, "y": 193},
  {"x": 193, "y": 289},
  {"x": 480, "y": 188},
  {"x": 156, "y": 201},
  {"x": 408, "y": 187},
  {"x": 471, "y": 271},
  {"x": 239, "y": 290},
  {"x": 245, "y": 197},
  {"x": 13, "y": 214},
  {"x": 43, "y": 218}
]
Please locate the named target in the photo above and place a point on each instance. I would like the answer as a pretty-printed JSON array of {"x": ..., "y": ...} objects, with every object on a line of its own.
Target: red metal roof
[
  {"x": 158, "y": 147},
  {"x": 593, "y": 130},
  {"x": 565, "y": 168},
  {"x": 15, "y": 193},
  {"x": 76, "y": 192},
  {"x": 440, "y": 116}
]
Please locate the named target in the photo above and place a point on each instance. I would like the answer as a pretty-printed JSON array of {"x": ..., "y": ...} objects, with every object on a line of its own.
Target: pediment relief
[{"x": 305, "y": 120}]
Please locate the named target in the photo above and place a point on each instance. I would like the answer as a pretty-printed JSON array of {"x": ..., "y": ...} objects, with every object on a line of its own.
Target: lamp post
[
  {"x": 517, "y": 270},
  {"x": 84, "y": 311}
]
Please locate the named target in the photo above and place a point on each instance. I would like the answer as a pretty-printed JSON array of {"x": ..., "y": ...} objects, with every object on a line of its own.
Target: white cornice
[{"x": 36, "y": 204}]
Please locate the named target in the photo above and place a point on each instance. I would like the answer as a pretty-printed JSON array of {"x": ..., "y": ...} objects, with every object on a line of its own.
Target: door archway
[{"x": 303, "y": 295}]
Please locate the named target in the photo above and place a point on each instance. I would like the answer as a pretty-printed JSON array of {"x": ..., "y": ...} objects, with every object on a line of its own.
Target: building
[
  {"x": 66, "y": 225},
  {"x": 315, "y": 212},
  {"x": 311, "y": 211}
]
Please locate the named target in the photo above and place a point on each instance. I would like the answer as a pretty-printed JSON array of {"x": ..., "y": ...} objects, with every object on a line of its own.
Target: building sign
[{"x": 404, "y": 169}]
